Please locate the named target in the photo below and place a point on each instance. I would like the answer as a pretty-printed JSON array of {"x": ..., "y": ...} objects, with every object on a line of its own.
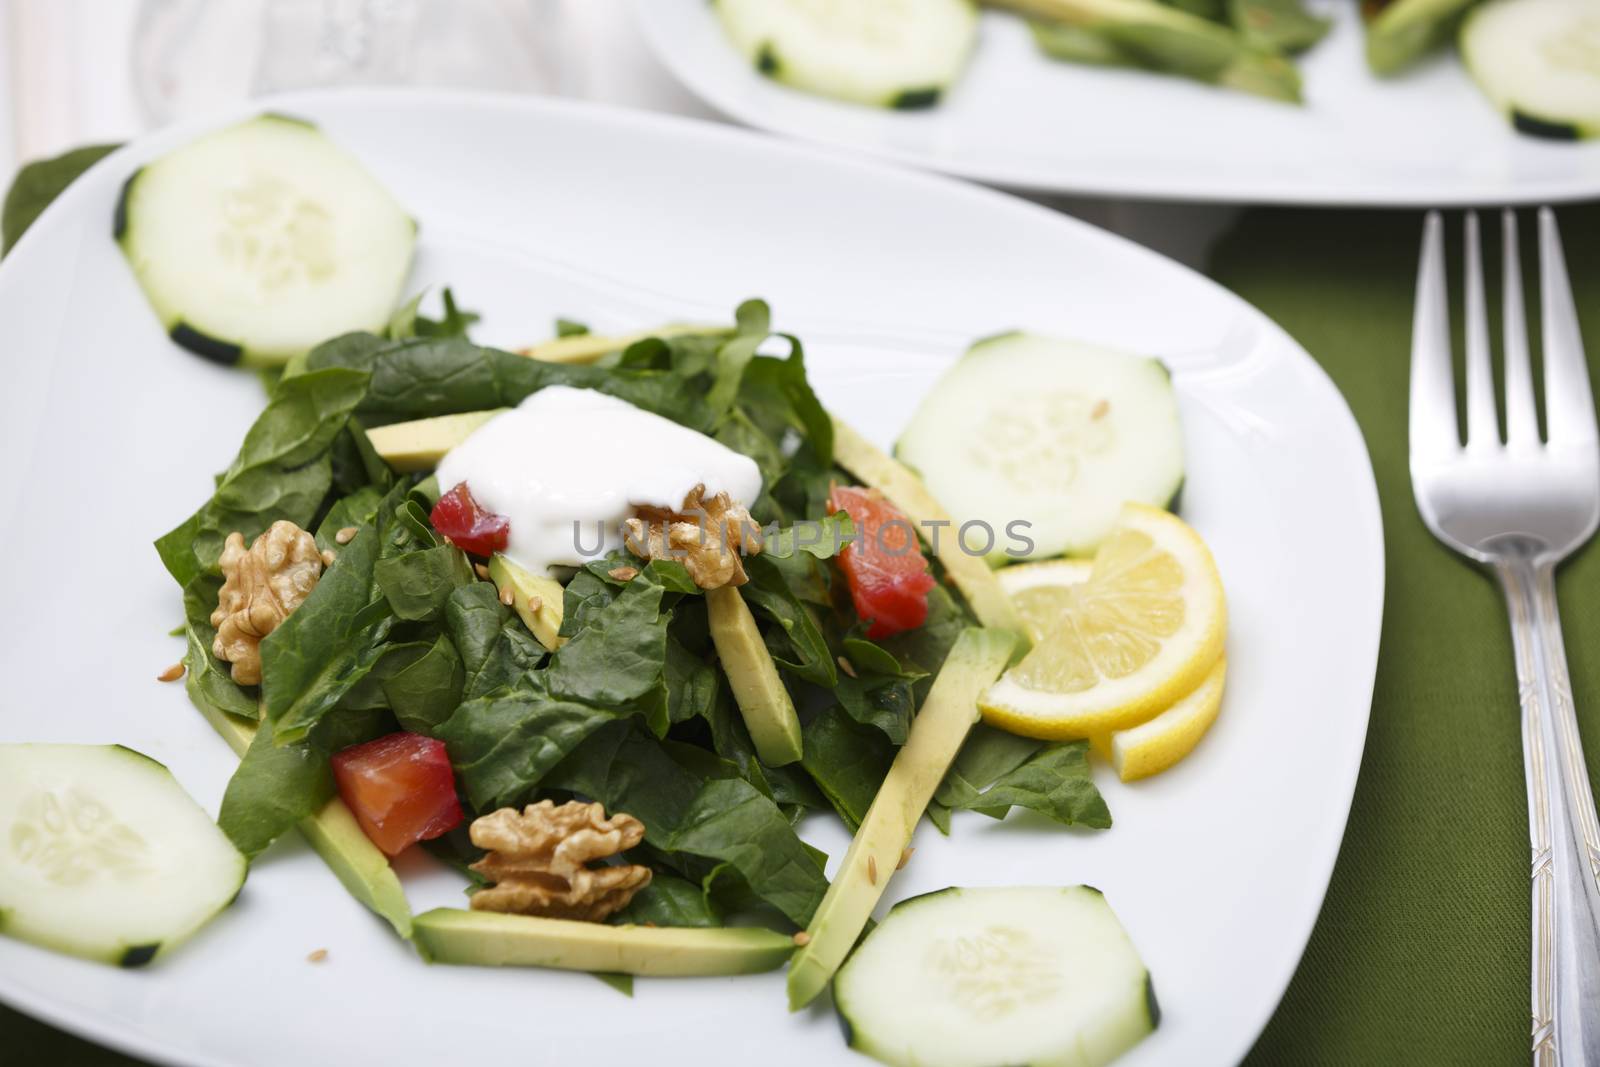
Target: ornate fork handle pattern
[{"x": 1562, "y": 826}]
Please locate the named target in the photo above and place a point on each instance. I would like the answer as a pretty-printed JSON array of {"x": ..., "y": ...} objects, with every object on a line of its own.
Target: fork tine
[
  {"x": 1433, "y": 403},
  {"x": 1569, "y": 405},
  {"x": 1483, "y": 429},
  {"x": 1522, "y": 423}
]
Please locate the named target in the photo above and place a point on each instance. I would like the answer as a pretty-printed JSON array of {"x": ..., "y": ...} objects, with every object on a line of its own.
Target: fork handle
[{"x": 1562, "y": 827}]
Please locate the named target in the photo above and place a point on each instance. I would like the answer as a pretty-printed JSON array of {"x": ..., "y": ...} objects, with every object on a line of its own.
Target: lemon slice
[
  {"x": 1038, "y": 592},
  {"x": 1153, "y": 746},
  {"x": 1113, "y": 650}
]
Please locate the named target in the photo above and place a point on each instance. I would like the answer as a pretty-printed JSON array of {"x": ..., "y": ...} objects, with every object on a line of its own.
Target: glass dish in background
[{"x": 192, "y": 55}]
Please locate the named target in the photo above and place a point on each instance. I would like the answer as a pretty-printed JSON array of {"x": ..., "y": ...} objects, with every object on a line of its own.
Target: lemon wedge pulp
[{"x": 1113, "y": 649}]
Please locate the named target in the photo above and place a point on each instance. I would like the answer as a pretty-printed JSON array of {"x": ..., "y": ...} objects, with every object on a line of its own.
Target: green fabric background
[{"x": 1420, "y": 955}]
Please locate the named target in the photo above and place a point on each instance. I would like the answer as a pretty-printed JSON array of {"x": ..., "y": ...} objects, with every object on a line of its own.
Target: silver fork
[{"x": 1519, "y": 508}]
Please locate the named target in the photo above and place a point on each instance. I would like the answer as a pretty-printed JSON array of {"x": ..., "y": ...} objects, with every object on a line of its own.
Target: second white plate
[{"x": 1021, "y": 120}]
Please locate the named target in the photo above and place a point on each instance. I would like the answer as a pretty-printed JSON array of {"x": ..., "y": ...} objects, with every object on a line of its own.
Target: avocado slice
[
  {"x": 763, "y": 701},
  {"x": 537, "y": 599},
  {"x": 419, "y": 445},
  {"x": 335, "y": 835},
  {"x": 1400, "y": 31},
  {"x": 589, "y": 347},
  {"x": 494, "y": 939},
  {"x": 937, "y": 733},
  {"x": 1162, "y": 37},
  {"x": 971, "y": 574}
]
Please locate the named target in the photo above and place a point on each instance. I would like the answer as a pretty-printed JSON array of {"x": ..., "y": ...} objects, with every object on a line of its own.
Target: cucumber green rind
[
  {"x": 138, "y": 955},
  {"x": 1523, "y": 122},
  {"x": 227, "y": 353},
  {"x": 917, "y": 99},
  {"x": 493, "y": 939},
  {"x": 936, "y": 735},
  {"x": 119, "y": 215},
  {"x": 333, "y": 833}
]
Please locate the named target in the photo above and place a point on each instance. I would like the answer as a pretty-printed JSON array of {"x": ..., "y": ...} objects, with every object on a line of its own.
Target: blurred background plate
[{"x": 1426, "y": 137}]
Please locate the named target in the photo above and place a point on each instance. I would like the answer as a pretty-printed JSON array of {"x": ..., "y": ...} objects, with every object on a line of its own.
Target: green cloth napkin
[{"x": 1420, "y": 955}]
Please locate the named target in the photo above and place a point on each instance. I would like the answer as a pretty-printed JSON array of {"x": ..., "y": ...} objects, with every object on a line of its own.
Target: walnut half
[
  {"x": 709, "y": 537},
  {"x": 262, "y": 585},
  {"x": 539, "y": 861}
]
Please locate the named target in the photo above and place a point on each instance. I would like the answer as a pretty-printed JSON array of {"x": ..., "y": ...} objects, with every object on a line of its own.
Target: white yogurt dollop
[{"x": 567, "y": 465}]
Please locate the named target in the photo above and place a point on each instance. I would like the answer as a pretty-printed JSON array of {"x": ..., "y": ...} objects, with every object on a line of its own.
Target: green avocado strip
[
  {"x": 940, "y": 728},
  {"x": 333, "y": 832},
  {"x": 493, "y": 939}
]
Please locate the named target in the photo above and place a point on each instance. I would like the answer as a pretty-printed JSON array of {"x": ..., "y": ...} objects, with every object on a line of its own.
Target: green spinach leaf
[
  {"x": 277, "y": 785},
  {"x": 39, "y": 183},
  {"x": 847, "y": 762},
  {"x": 419, "y": 584},
  {"x": 726, "y": 820},
  {"x": 283, "y": 471},
  {"x": 496, "y": 650},
  {"x": 671, "y": 901},
  {"x": 427, "y": 691},
  {"x": 1055, "y": 782},
  {"x": 800, "y": 644},
  {"x": 332, "y": 640}
]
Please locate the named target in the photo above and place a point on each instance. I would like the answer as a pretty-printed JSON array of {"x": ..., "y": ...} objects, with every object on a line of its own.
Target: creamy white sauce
[{"x": 567, "y": 465}]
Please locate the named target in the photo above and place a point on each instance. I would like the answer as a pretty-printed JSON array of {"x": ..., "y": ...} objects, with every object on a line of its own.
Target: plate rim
[{"x": 1367, "y": 510}]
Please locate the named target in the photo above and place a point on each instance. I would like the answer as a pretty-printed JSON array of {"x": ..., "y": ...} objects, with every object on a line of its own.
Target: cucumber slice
[
  {"x": 258, "y": 241},
  {"x": 888, "y": 53},
  {"x": 1539, "y": 62},
  {"x": 983, "y": 977},
  {"x": 1053, "y": 434},
  {"x": 105, "y": 855}
]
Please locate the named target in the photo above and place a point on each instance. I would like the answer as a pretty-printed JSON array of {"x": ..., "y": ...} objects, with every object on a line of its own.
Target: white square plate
[{"x": 536, "y": 209}]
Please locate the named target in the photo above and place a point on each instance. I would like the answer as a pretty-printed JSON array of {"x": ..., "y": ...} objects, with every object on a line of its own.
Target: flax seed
[
  {"x": 802, "y": 939},
  {"x": 346, "y": 535},
  {"x": 171, "y": 674},
  {"x": 318, "y": 956},
  {"x": 846, "y": 666}
]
